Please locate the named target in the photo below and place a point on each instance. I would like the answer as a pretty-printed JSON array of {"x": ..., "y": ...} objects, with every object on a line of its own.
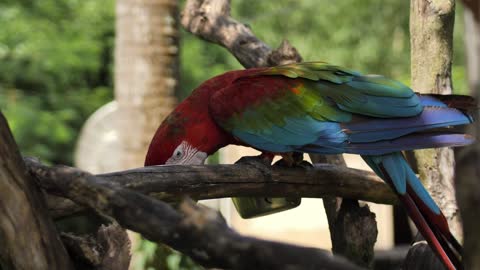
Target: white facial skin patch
[{"x": 185, "y": 154}]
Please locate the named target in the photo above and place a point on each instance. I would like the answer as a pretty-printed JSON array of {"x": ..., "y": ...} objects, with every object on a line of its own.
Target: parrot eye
[
  {"x": 186, "y": 154},
  {"x": 178, "y": 153}
]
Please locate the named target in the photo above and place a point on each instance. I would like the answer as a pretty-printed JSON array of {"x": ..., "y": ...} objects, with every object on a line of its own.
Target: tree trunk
[
  {"x": 27, "y": 235},
  {"x": 472, "y": 44},
  {"x": 146, "y": 76},
  {"x": 431, "y": 30},
  {"x": 117, "y": 136},
  {"x": 353, "y": 228},
  {"x": 431, "y": 38},
  {"x": 468, "y": 168},
  {"x": 468, "y": 193},
  {"x": 146, "y": 72}
]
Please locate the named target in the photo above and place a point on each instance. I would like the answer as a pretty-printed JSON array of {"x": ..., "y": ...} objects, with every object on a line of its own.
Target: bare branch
[
  {"x": 196, "y": 231},
  {"x": 218, "y": 181},
  {"x": 210, "y": 20},
  {"x": 169, "y": 183}
]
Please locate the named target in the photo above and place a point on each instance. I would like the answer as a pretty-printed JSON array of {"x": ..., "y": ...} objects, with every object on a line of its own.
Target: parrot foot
[
  {"x": 293, "y": 160},
  {"x": 265, "y": 159}
]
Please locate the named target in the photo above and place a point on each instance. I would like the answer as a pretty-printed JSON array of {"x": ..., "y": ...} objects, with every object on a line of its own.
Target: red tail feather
[
  {"x": 437, "y": 224},
  {"x": 426, "y": 231},
  {"x": 433, "y": 227}
]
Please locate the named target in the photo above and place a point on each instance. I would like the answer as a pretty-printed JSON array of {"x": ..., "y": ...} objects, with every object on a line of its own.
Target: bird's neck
[{"x": 200, "y": 128}]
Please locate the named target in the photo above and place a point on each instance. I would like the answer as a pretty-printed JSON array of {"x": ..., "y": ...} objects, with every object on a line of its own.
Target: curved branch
[
  {"x": 210, "y": 20},
  {"x": 194, "y": 230}
]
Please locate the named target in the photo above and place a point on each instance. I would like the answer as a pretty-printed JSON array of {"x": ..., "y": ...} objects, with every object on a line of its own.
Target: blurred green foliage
[
  {"x": 56, "y": 59},
  {"x": 371, "y": 36},
  {"x": 160, "y": 257},
  {"x": 56, "y": 55}
]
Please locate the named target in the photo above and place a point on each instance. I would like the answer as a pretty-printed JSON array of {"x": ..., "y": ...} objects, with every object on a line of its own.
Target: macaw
[{"x": 315, "y": 107}]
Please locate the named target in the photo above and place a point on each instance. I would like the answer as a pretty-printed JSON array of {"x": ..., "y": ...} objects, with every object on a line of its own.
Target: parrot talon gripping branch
[{"x": 315, "y": 107}]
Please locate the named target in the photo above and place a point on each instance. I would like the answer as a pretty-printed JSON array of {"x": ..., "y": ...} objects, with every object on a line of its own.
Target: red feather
[{"x": 191, "y": 121}]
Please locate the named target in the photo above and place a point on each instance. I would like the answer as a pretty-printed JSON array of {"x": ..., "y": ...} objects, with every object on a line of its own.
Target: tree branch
[
  {"x": 196, "y": 231},
  {"x": 169, "y": 183},
  {"x": 210, "y": 20}
]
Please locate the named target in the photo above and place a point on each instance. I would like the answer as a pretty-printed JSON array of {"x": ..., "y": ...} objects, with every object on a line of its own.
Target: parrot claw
[
  {"x": 305, "y": 164},
  {"x": 293, "y": 160},
  {"x": 302, "y": 164},
  {"x": 263, "y": 160}
]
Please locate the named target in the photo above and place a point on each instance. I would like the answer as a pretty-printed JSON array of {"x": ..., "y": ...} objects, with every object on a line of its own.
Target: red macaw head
[
  {"x": 176, "y": 142},
  {"x": 189, "y": 134}
]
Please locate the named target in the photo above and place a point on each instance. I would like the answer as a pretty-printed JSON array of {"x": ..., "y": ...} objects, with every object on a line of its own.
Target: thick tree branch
[
  {"x": 27, "y": 235},
  {"x": 196, "y": 231},
  {"x": 218, "y": 181}
]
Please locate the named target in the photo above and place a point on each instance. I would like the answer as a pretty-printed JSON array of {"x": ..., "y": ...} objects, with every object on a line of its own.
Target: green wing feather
[
  {"x": 350, "y": 90},
  {"x": 297, "y": 104}
]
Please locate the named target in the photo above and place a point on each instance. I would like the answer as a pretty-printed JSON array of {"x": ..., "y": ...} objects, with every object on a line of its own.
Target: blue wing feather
[
  {"x": 324, "y": 109},
  {"x": 362, "y": 129},
  {"x": 295, "y": 133}
]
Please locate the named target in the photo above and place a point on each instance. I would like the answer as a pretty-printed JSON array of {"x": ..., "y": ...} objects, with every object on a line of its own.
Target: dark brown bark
[
  {"x": 169, "y": 183},
  {"x": 353, "y": 228},
  {"x": 194, "y": 230},
  {"x": 108, "y": 250},
  {"x": 27, "y": 235},
  {"x": 354, "y": 233}
]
